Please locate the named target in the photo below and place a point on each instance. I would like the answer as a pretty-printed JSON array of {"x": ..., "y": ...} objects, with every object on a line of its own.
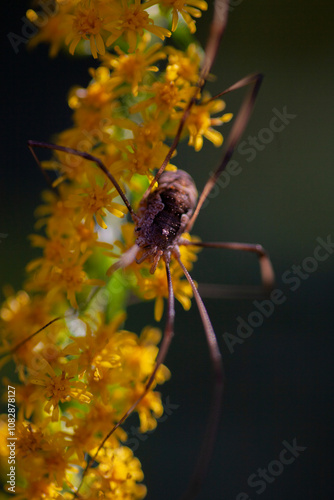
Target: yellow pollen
[
  {"x": 135, "y": 18},
  {"x": 87, "y": 23}
]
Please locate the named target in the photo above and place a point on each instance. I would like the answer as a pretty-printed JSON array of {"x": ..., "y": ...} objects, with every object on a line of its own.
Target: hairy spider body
[{"x": 164, "y": 215}]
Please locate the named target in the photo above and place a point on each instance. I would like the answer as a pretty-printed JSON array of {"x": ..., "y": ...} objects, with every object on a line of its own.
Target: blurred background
[{"x": 279, "y": 380}]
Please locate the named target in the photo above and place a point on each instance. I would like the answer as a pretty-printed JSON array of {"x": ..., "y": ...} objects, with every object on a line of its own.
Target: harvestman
[{"x": 164, "y": 215}]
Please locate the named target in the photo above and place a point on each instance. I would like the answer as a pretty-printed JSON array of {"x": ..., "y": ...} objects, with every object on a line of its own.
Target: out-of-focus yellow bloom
[
  {"x": 168, "y": 98},
  {"x": 132, "y": 68},
  {"x": 93, "y": 201},
  {"x": 183, "y": 67},
  {"x": 57, "y": 389},
  {"x": 87, "y": 24},
  {"x": 22, "y": 314},
  {"x": 54, "y": 30},
  {"x": 155, "y": 287},
  {"x": 131, "y": 20},
  {"x": 188, "y": 9},
  {"x": 117, "y": 475}
]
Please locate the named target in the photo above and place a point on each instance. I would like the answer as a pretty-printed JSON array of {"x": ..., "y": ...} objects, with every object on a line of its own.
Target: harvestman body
[
  {"x": 162, "y": 218},
  {"x": 164, "y": 214}
]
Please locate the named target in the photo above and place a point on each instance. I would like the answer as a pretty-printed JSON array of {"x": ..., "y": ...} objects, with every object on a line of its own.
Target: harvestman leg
[
  {"x": 167, "y": 338},
  {"x": 22, "y": 342},
  {"x": 86, "y": 156},
  {"x": 266, "y": 268},
  {"x": 208, "y": 442},
  {"x": 267, "y": 275},
  {"x": 217, "y": 28},
  {"x": 233, "y": 138}
]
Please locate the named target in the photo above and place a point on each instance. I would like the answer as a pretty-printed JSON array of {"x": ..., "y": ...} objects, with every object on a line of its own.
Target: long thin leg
[
  {"x": 24, "y": 341},
  {"x": 217, "y": 29},
  {"x": 86, "y": 156},
  {"x": 216, "y": 402},
  {"x": 266, "y": 268},
  {"x": 237, "y": 130},
  {"x": 83, "y": 307},
  {"x": 231, "y": 292},
  {"x": 167, "y": 338},
  {"x": 45, "y": 175}
]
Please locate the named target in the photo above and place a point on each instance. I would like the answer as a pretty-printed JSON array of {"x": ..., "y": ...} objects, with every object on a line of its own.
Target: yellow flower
[
  {"x": 25, "y": 395},
  {"x": 140, "y": 356},
  {"x": 98, "y": 92},
  {"x": 44, "y": 455},
  {"x": 54, "y": 31},
  {"x": 188, "y": 254},
  {"x": 93, "y": 201},
  {"x": 155, "y": 287},
  {"x": 54, "y": 212},
  {"x": 149, "y": 132},
  {"x": 199, "y": 123},
  {"x": 131, "y": 20},
  {"x": 85, "y": 433},
  {"x": 187, "y": 8},
  {"x": 30, "y": 438},
  {"x": 143, "y": 159},
  {"x": 117, "y": 475},
  {"x": 22, "y": 314},
  {"x": 87, "y": 237},
  {"x": 98, "y": 348},
  {"x": 183, "y": 67},
  {"x": 41, "y": 489},
  {"x": 70, "y": 277},
  {"x": 20, "y": 317},
  {"x": 149, "y": 409},
  {"x": 132, "y": 68},
  {"x": 87, "y": 24},
  {"x": 84, "y": 137},
  {"x": 66, "y": 276},
  {"x": 96, "y": 105},
  {"x": 58, "y": 389},
  {"x": 167, "y": 99},
  {"x": 56, "y": 251}
]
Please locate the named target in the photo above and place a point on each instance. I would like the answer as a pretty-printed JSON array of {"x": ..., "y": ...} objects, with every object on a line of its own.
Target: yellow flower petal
[{"x": 158, "y": 308}]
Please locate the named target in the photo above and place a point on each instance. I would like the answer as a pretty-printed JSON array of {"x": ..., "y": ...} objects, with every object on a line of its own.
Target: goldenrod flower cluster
[
  {"x": 80, "y": 374},
  {"x": 102, "y": 22}
]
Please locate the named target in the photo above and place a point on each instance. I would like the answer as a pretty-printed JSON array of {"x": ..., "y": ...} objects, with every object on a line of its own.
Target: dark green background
[{"x": 279, "y": 381}]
